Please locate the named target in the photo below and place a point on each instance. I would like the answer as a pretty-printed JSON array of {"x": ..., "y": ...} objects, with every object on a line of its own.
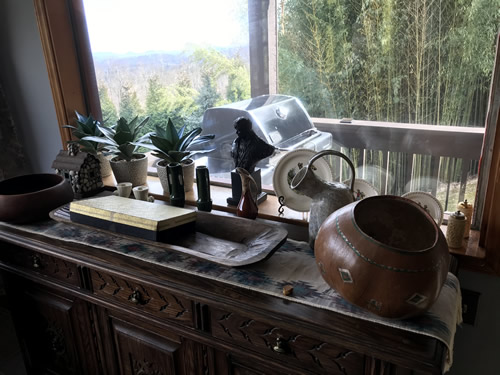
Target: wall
[
  {"x": 477, "y": 348},
  {"x": 24, "y": 77}
]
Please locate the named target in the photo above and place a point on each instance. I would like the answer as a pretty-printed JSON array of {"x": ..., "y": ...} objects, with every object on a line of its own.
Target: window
[
  {"x": 397, "y": 62},
  {"x": 70, "y": 67},
  {"x": 394, "y": 62},
  {"x": 151, "y": 61}
]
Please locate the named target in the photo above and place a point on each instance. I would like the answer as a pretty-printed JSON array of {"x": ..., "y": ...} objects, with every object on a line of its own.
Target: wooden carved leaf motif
[
  {"x": 55, "y": 338},
  {"x": 145, "y": 367}
]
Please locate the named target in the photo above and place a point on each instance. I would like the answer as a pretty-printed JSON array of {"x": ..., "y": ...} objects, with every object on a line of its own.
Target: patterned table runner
[{"x": 292, "y": 264}]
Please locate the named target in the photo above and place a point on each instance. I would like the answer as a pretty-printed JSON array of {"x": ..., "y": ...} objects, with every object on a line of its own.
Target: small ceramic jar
[{"x": 456, "y": 228}]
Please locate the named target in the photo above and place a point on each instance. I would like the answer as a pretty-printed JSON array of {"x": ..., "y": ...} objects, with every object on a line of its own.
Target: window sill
[
  {"x": 471, "y": 256},
  {"x": 268, "y": 209}
]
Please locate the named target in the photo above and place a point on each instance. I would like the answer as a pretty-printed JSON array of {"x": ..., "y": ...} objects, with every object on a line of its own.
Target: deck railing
[{"x": 398, "y": 158}]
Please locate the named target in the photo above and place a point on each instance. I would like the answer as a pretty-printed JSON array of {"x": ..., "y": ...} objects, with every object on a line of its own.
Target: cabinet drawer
[
  {"x": 296, "y": 349},
  {"x": 41, "y": 264},
  {"x": 143, "y": 297}
]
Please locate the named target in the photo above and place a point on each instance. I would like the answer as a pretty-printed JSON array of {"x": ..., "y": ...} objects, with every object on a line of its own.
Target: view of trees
[
  {"x": 421, "y": 61},
  {"x": 178, "y": 87}
]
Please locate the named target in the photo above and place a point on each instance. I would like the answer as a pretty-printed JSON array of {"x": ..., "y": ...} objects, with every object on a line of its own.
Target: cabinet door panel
[
  {"x": 55, "y": 332},
  {"x": 141, "y": 351}
]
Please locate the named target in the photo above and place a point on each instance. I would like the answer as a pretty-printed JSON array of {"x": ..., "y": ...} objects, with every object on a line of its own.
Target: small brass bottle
[
  {"x": 467, "y": 210},
  {"x": 455, "y": 230}
]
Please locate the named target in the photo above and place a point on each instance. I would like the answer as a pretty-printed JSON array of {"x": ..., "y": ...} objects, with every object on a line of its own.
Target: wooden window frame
[{"x": 68, "y": 56}]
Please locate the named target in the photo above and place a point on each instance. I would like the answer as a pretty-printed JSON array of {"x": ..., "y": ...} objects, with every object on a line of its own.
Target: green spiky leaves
[
  {"x": 169, "y": 144},
  {"x": 122, "y": 139},
  {"x": 86, "y": 127}
]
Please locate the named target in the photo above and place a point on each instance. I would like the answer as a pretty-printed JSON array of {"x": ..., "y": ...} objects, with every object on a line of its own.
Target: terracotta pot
[
  {"x": 384, "y": 254},
  {"x": 134, "y": 171},
  {"x": 187, "y": 173},
  {"x": 31, "y": 197}
]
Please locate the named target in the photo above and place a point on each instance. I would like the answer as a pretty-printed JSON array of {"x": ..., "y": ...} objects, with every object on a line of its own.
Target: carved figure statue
[{"x": 248, "y": 149}]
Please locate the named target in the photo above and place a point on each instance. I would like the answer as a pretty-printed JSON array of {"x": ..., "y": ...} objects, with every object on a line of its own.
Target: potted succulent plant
[
  {"x": 171, "y": 146},
  {"x": 122, "y": 140},
  {"x": 89, "y": 127}
]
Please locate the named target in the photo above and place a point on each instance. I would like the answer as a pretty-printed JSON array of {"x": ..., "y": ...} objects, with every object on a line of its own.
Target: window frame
[{"x": 68, "y": 56}]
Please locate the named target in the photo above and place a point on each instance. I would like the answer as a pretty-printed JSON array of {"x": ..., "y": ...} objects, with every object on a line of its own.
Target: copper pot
[{"x": 384, "y": 254}]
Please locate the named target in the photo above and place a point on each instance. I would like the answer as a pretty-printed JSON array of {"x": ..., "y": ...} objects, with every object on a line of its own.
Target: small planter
[
  {"x": 105, "y": 166},
  {"x": 134, "y": 171},
  {"x": 187, "y": 174}
]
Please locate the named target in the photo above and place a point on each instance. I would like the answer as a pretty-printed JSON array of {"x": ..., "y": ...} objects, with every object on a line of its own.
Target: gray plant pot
[
  {"x": 105, "y": 166},
  {"x": 187, "y": 173},
  {"x": 134, "y": 171}
]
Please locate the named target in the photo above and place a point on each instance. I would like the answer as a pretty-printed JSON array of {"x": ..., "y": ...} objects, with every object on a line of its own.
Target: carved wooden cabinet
[{"x": 82, "y": 310}]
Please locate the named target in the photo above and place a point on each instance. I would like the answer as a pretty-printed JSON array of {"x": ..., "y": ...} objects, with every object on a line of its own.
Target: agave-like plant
[
  {"x": 86, "y": 127},
  {"x": 122, "y": 139},
  {"x": 171, "y": 145}
]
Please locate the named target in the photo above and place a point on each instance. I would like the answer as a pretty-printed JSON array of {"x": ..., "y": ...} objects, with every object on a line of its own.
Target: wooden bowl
[
  {"x": 384, "y": 254},
  {"x": 31, "y": 197}
]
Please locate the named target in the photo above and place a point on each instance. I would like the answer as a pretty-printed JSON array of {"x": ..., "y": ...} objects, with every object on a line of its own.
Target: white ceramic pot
[
  {"x": 187, "y": 173},
  {"x": 134, "y": 171},
  {"x": 105, "y": 166}
]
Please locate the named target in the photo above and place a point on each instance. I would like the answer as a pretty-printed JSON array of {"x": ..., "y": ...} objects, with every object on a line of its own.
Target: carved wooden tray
[{"x": 226, "y": 240}]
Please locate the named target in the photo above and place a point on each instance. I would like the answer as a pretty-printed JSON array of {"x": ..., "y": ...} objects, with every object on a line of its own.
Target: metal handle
[
  {"x": 135, "y": 297},
  {"x": 336, "y": 153},
  {"x": 280, "y": 346},
  {"x": 37, "y": 262}
]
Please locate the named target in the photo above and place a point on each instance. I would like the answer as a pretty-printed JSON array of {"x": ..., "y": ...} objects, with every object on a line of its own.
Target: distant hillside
[{"x": 135, "y": 69}]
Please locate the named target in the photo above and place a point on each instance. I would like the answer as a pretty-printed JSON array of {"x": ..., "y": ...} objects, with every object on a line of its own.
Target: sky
[{"x": 123, "y": 26}]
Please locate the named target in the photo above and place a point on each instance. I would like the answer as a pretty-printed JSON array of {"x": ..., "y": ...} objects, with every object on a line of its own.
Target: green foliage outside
[
  {"x": 109, "y": 114},
  {"x": 130, "y": 106},
  {"x": 172, "y": 94},
  {"x": 418, "y": 61},
  {"x": 426, "y": 62}
]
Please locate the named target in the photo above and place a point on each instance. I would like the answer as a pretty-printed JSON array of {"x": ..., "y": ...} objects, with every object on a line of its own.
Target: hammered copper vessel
[{"x": 385, "y": 254}]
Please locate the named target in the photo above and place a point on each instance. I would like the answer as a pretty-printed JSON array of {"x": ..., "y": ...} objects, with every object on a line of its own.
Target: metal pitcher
[{"x": 327, "y": 197}]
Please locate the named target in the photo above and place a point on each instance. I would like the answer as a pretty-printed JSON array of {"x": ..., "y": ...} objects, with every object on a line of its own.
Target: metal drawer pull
[
  {"x": 135, "y": 297},
  {"x": 280, "y": 346},
  {"x": 37, "y": 262}
]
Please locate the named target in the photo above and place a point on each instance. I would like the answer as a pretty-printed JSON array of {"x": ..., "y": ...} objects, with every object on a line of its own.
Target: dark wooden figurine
[{"x": 248, "y": 149}]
